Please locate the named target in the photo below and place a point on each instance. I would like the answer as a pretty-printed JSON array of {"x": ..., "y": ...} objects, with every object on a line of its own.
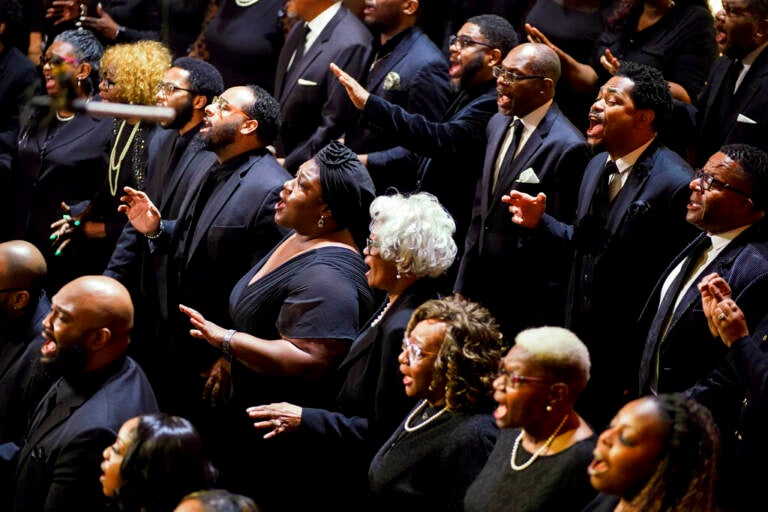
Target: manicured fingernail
[
  {"x": 66, "y": 217},
  {"x": 77, "y": 223},
  {"x": 57, "y": 253},
  {"x": 52, "y": 237}
]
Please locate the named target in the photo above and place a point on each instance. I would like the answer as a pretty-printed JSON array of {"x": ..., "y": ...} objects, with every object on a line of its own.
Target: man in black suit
[
  {"x": 728, "y": 202},
  {"x": 23, "y": 305},
  {"x": 408, "y": 70},
  {"x": 629, "y": 224},
  {"x": 86, "y": 336},
  {"x": 314, "y": 106},
  {"x": 531, "y": 147},
  {"x": 451, "y": 150},
  {"x": 225, "y": 225},
  {"x": 733, "y": 107},
  {"x": 177, "y": 158}
]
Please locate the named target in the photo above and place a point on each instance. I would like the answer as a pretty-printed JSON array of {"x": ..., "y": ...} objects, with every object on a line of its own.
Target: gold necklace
[
  {"x": 114, "y": 168},
  {"x": 416, "y": 411},
  {"x": 539, "y": 452}
]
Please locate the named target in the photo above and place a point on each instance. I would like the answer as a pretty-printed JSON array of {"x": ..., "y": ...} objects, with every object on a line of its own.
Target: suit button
[{"x": 486, "y": 229}]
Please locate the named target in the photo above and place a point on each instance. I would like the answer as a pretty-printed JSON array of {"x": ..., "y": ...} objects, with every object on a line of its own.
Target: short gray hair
[
  {"x": 414, "y": 232},
  {"x": 558, "y": 352}
]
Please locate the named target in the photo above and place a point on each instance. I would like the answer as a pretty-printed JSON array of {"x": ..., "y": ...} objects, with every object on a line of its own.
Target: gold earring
[
  {"x": 548, "y": 408},
  {"x": 321, "y": 222}
]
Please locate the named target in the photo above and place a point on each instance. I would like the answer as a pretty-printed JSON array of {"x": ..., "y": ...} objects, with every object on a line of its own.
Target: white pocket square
[
  {"x": 307, "y": 82},
  {"x": 527, "y": 176},
  {"x": 744, "y": 119}
]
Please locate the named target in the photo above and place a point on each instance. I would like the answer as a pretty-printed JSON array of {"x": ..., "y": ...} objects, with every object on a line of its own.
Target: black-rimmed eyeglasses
[
  {"x": 464, "y": 41},
  {"x": 707, "y": 181},
  {"x": 510, "y": 77}
]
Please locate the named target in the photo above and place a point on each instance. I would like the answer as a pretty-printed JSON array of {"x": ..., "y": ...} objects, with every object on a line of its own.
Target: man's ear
[
  {"x": 199, "y": 102},
  {"x": 249, "y": 126},
  {"x": 99, "y": 339},
  {"x": 493, "y": 58},
  {"x": 646, "y": 116}
]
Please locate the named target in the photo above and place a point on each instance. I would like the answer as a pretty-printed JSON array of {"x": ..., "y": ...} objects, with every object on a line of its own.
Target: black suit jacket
[
  {"x": 413, "y": 76},
  {"x": 744, "y": 264},
  {"x": 236, "y": 228},
  {"x": 71, "y": 169},
  {"x": 58, "y": 465},
  {"x": 615, "y": 265},
  {"x": 315, "y": 106},
  {"x": 746, "y": 119},
  {"x": 501, "y": 257},
  {"x": 451, "y": 150}
]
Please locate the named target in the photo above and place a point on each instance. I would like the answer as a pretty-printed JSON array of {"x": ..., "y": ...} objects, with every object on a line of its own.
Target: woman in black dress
[
  {"x": 296, "y": 313},
  {"x": 410, "y": 244}
]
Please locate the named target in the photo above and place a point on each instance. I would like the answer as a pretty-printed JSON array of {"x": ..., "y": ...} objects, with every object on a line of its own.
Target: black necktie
[
  {"x": 302, "y": 45},
  {"x": 667, "y": 307},
  {"x": 601, "y": 200},
  {"x": 509, "y": 156},
  {"x": 733, "y": 76}
]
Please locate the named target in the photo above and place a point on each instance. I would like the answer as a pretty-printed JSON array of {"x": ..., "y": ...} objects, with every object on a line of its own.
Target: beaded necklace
[
  {"x": 114, "y": 167},
  {"x": 416, "y": 411},
  {"x": 539, "y": 452}
]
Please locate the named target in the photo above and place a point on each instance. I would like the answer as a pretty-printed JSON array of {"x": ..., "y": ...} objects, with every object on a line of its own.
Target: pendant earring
[{"x": 321, "y": 222}]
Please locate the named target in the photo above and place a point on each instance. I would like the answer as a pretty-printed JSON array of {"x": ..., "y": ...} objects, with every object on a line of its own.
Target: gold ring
[{"x": 721, "y": 316}]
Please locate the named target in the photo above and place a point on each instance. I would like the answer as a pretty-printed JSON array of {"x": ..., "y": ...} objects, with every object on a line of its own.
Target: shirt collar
[
  {"x": 532, "y": 119},
  {"x": 751, "y": 56},
  {"x": 319, "y": 22},
  {"x": 720, "y": 240},
  {"x": 628, "y": 160}
]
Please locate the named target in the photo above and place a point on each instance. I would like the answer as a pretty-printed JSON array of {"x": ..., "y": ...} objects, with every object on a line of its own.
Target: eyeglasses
[
  {"x": 108, "y": 82},
  {"x": 510, "y": 77},
  {"x": 706, "y": 181},
  {"x": 222, "y": 104},
  {"x": 168, "y": 88},
  {"x": 464, "y": 41},
  {"x": 371, "y": 244},
  {"x": 5, "y": 290},
  {"x": 513, "y": 380},
  {"x": 415, "y": 353},
  {"x": 58, "y": 60}
]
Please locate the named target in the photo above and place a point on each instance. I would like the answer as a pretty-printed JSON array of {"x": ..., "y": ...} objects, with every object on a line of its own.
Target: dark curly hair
[
  {"x": 685, "y": 477},
  {"x": 650, "y": 91},
  {"x": 266, "y": 110},
  {"x": 204, "y": 78},
  {"x": 468, "y": 359},
  {"x": 164, "y": 462},
  {"x": 754, "y": 162},
  {"x": 497, "y": 31}
]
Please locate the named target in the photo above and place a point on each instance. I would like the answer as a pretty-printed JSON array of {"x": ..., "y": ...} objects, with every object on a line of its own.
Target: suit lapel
[
  {"x": 214, "y": 206},
  {"x": 379, "y": 72},
  {"x": 629, "y": 192},
  {"x": 60, "y": 412},
  {"x": 291, "y": 44},
  {"x": 715, "y": 84},
  {"x": 749, "y": 87},
  {"x": 299, "y": 67},
  {"x": 495, "y": 139}
]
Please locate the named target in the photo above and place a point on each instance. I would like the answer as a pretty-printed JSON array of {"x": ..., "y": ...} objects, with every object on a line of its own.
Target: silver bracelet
[
  {"x": 225, "y": 344},
  {"x": 156, "y": 234}
]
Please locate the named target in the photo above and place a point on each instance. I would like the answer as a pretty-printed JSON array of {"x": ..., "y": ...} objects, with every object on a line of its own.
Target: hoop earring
[{"x": 321, "y": 222}]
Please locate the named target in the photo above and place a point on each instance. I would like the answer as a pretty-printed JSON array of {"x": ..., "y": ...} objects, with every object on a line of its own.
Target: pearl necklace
[
  {"x": 245, "y": 3},
  {"x": 539, "y": 452},
  {"x": 416, "y": 411},
  {"x": 114, "y": 167},
  {"x": 381, "y": 315}
]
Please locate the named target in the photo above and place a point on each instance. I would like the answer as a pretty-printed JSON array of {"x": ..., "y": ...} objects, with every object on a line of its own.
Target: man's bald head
[
  {"x": 92, "y": 316},
  {"x": 22, "y": 272}
]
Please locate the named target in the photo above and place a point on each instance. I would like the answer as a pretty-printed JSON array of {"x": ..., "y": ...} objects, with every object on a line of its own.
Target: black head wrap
[{"x": 347, "y": 188}]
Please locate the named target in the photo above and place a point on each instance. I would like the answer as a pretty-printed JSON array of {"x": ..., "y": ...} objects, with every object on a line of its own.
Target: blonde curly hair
[{"x": 138, "y": 68}]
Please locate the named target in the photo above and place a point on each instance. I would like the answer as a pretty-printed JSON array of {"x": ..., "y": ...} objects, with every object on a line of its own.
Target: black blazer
[
  {"x": 645, "y": 228},
  {"x": 58, "y": 465},
  {"x": 315, "y": 106},
  {"x": 745, "y": 120},
  {"x": 451, "y": 150},
  {"x": 499, "y": 256},
  {"x": 413, "y": 76}
]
